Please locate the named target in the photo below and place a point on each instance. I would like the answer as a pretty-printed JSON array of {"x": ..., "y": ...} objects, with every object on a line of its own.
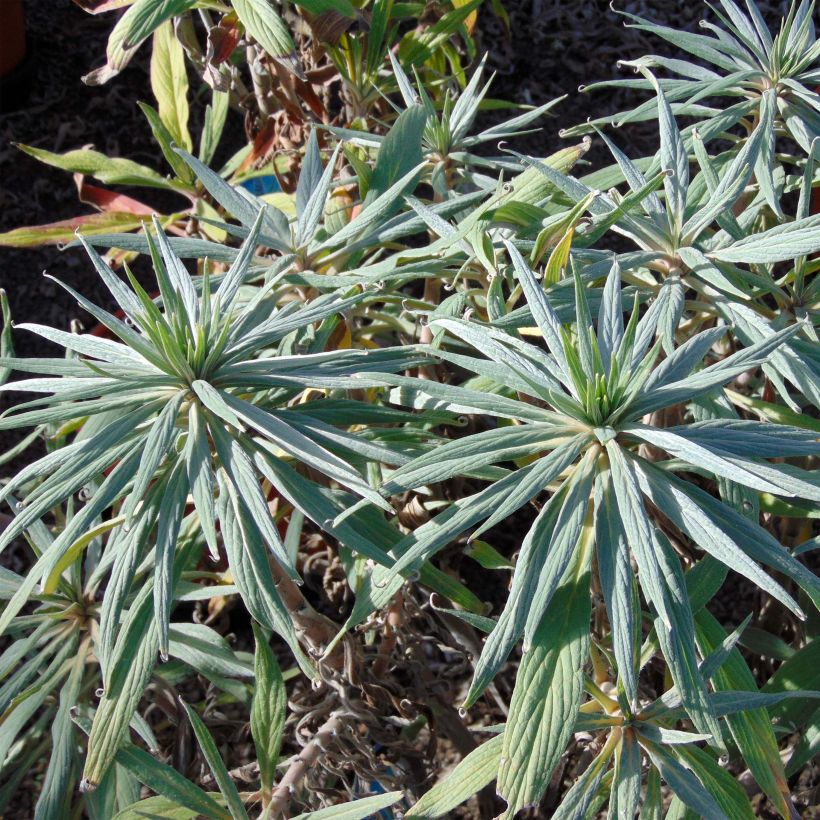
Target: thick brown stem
[
  {"x": 313, "y": 629},
  {"x": 390, "y": 635},
  {"x": 301, "y": 763}
]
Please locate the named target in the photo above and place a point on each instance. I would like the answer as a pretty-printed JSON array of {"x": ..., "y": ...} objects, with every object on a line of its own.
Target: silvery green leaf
[
  {"x": 109, "y": 491},
  {"x": 637, "y": 527},
  {"x": 245, "y": 208},
  {"x": 751, "y": 438},
  {"x": 748, "y": 473},
  {"x": 475, "y": 771},
  {"x": 635, "y": 179},
  {"x": 157, "y": 443},
  {"x": 778, "y": 244},
  {"x": 436, "y": 396},
  {"x": 764, "y": 164},
  {"x": 662, "y": 581},
  {"x": 217, "y": 766},
  {"x": 626, "y": 783},
  {"x": 310, "y": 173},
  {"x": 581, "y": 794},
  {"x": 135, "y": 655},
  {"x": 728, "y": 702},
  {"x": 167, "y": 781},
  {"x": 431, "y": 536},
  {"x": 171, "y": 510},
  {"x": 93, "y": 346},
  {"x": 684, "y": 783},
  {"x": 408, "y": 93},
  {"x": 206, "y": 651},
  {"x": 610, "y": 316},
  {"x": 618, "y": 584},
  {"x": 462, "y": 455},
  {"x": 684, "y": 359},
  {"x": 57, "y": 781},
  {"x": 573, "y": 523},
  {"x": 542, "y": 312},
  {"x": 710, "y": 377},
  {"x": 310, "y": 213},
  {"x": 673, "y": 157},
  {"x": 375, "y": 212},
  {"x": 238, "y": 468},
  {"x": 544, "y": 471},
  {"x": 719, "y": 529},
  {"x": 355, "y": 809},
  {"x": 250, "y": 567},
  {"x": 547, "y": 694},
  {"x": 784, "y": 362},
  {"x": 303, "y": 448},
  {"x": 268, "y": 710},
  {"x": 200, "y": 476},
  {"x": 530, "y": 565},
  {"x": 668, "y": 737}
]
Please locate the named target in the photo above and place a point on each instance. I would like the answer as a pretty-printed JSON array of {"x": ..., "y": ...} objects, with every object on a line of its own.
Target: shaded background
[{"x": 552, "y": 48}]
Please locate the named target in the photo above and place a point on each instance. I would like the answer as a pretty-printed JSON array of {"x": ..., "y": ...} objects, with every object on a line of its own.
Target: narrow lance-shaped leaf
[
  {"x": 547, "y": 694},
  {"x": 268, "y": 710}
]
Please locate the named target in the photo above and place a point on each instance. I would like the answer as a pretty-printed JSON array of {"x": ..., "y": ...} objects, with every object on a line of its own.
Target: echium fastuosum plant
[
  {"x": 268, "y": 418},
  {"x": 198, "y": 399},
  {"x": 578, "y": 424},
  {"x": 739, "y": 58}
]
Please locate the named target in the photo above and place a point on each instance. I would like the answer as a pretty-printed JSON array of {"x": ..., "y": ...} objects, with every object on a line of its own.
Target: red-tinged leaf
[
  {"x": 107, "y": 200},
  {"x": 223, "y": 39},
  {"x": 56, "y": 233},
  {"x": 100, "y": 6}
]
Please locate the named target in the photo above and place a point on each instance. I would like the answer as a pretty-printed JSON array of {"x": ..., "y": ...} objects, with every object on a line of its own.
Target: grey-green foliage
[
  {"x": 657, "y": 405},
  {"x": 738, "y": 57}
]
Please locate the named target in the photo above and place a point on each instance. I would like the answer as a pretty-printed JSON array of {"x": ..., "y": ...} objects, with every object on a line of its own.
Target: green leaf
[
  {"x": 722, "y": 785},
  {"x": 487, "y": 555},
  {"x": 111, "y": 170},
  {"x": 268, "y": 710},
  {"x": 168, "y": 782},
  {"x": 166, "y": 141},
  {"x": 751, "y": 730},
  {"x": 474, "y": 772},
  {"x": 583, "y": 791},
  {"x": 684, "y": 783},
  {"x": 58, "y": 781},
  {"x": 547, "y": 694},
  {"x": 216, "y": 765},
  {"x": 169, "y": 82},
  {"x": 65, "y": 230},
  {"x": 399, "y": 153},
  {"x": 156, "y": 807},
  {"x": 129, "y": 675},
  {"x": 215, "y": 115},
  {"x": 6, "y": 344},
  {"x": 137, "y": 24},
  {"x": 797, "y": 673},
  {"x": 355, "y": 810},
  {"x": 265, "y": 25}
]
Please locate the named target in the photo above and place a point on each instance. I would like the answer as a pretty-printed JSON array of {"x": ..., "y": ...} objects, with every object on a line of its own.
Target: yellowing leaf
[{"x": 169, "y": 82}]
